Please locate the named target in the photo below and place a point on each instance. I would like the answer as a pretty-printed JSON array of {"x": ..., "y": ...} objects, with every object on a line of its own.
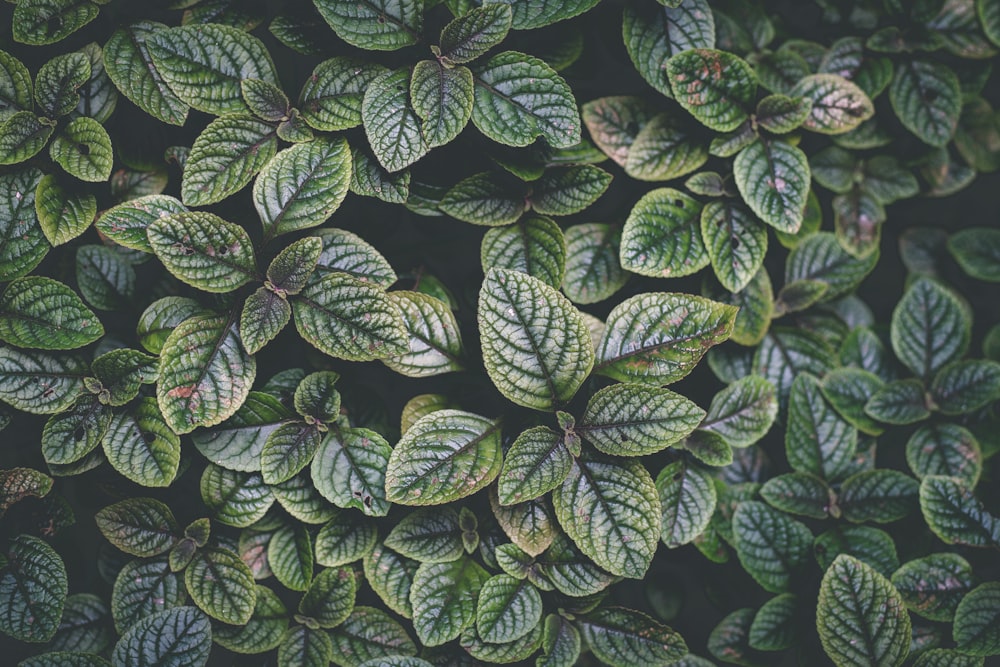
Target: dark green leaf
[
  {"x": 37, "y": 312},
  {"x": 180, "y": 637},
  {"x": 716, "y": 87},
  {"x": 392, "y": 125},
  {"x": 934, "y": 585},
  {"x": 50, "y": 21},
  {"x": 977, "y": 621},
  {"x": 33, "y": 589},
  {"x": 955, "y": 515},
  {"x": 380, "y": 25},
  {"x": 139, "y": 526},
  {"x": 772, "y": 548},
  {"x": 926, "y": 97},
  {"x": 475, "y": 32},
  {"x": 622, "y": 637},
  {"x": 442, "y": 97},
  {"x": 773, "y": 179},
  {"x": 444, "y": 597}
]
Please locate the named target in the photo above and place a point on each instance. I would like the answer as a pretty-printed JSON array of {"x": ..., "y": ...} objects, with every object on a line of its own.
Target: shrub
[{"x": 375, "y": 373}]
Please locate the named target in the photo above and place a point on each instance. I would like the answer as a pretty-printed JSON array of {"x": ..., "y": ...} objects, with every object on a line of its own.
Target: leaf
[
  {"x": 235, "y": 498},
  {"x": 33, "y": 589},
  {"x": 593, "y": 272},
  {"x": 934, "y": 585},
  {"x": 848, "y": 390},
  {"x": 519, "y": 98},
  {"x": 611, "y": 510},
  {"x": 622, "y": 637},
  {"x": 301, "y": 645},
  {"x": 344, "y": 539},
  {"x": 392, "y": 125},
  {"x": 926, "y": 98},
  {"x": 614, "y": 122},
  {"x": 561, "y": 644},
  {"x": 665, "y": 148},
  {"x": 688, "y": 498},
  {"x": 930, "y": 327},
  {"x": 205, "y": 375},
  {"x": 661, "y": 237},
  {"x": 221, "y": 585},
  {"x": 475, "y": 32},
  {"x": 38, "y": 312},
  {"x": 141, "y": 446},
  {"x": 288, "y": 450},
  {"x": 224, "y": 158},
  {"x": 40, "y": 383},
  {"x": 568, "y": 190},
  {"x": 743, "y": 412},
  {"x": 350, "y": 319},
  {"x": 349, "y": 470},
  {"x": 181, "y": 637},
  {"x": 442, "y": 97},
  {"x": 83, "y": 149},
  {"x": 22, "y": 136},
  {"x": 676, "y": 331},
  {"x": 736, "y": 243},
  {"x": 508, "y": 609},
  {"x": 331, "y": 97},
  {"x": 345, "y": 252},
  {"x": 976, "y": 250},
  {"x": 57, "y": 82},
  {"x": 860, "y": 616},
  {"x": 818, "y": 440},
  {"x": 975, "y": 629},
  {"x": 302, "y": 186},
  {"x": 237, "y": 443},
  {"x": 65, "y": 659},
  {"x": 16, "y": 484},
  {"x": 444, "y": 599},
  {"x": 49, "y": 21},
  {"x": 370, "y": 634},
  {"x": 652, "y": 34},
  {"x": 126, "y": 223},
  {"x": 265, "y": 100},
  {"x": 530, "y": 525},
  {"x": 143, "y": 588},
  {"x": 444, "y": 456},
  {"x": 391, "y": 577},
  {"x": 535, "y": 246},
  {"x": 965, "y": 386},
  {"x": 264, "y": 316},
  {"x": 536, "y": 463},
  {"x": 881, "y": 496},
  {"x": 945, "y": 449},
  {"x": 62, "y": 214},
  {"x": 330, "y": 598},
  {"x": 376, "y": 25},
  {"x": 104, "y": 277},
  {"x": 955, "y": 515},
  {"x": 139, "y": 526},
  {"x": 821, "y": 257},
  {"x": 900, "y": 402},
  {"x": 838, "y": 105},
  {"x": 290, "y": 556},
  {"x": 989, "y": 16},
  {"x": 204, "y": 64},
  {"x": 943, "y": 657},
  {"x": 772, "y": 547},
  {"x": 773, "y": 179},
  {"x": 131, "y": 68},
  {"x": 15, "y": 86},
  {"x": 781, "y": 114},
  {"x": 536, "y": 347},
  {"x": 316, "y": 398},
  {"x": 262, "y": 632},
  {"x": 716, "y": 87},
  {"x": 633, "y": 419},
  {"x": 435, "y": 345},
  {"x": 428, "y": 536},
  {"x": 800, "y": 493},
  {"x": 482, "y": 199}
]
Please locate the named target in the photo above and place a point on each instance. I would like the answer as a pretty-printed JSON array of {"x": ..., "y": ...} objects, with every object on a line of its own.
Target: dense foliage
[{"x": 340, "y": 331}]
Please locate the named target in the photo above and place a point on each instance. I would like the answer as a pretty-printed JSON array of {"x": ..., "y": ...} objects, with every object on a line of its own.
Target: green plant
[{"x": 475, "y": 457}]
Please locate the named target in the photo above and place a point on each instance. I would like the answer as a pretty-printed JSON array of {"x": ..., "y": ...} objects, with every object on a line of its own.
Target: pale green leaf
[
  {"x": 444, "y": 597},
  {"x": 378, "y": 25},
  {"x": 105, "y": 277},
  {"x": 736, "y": 242},
  {"x": 661, "y": 237},
  {"x": 428, "y": 536},
  {"x": 653, "y": 34},
  {"x": 40, "y": 383},
  {"x": 224, "y": 158},
  {"x": 716, "y": 87},
  {"x": 838, "y": 105},
  {"x": 773, "y": 179},
  {"x": 818, "y": 440},
  {"x": 688, "y": 498},
  {"x": 392, "y": 125},
  {"x": 38, "y": 312},
  {"x": 743, "y": 412},
  {"x": 664, "y": 149},
  {"x": 945, "y": 449},
  {"x": 485, "y": 199},
  {"x": 126, "y": 223},
  {"x": 434, "y": 340},
  {"x": 955, "y": 515},
  {"x": 977, "y": 621},
  {"x": 62, "y": 213},
  {"x": 131, "y": 68},
  {"x": 143, "y": 588},
  {"x": 83, "y": 149},
  {"x": 330, "y": 598},
  {"x": 331, "y": 97},
  {"x": 262, "y": 632},
  {"x": 235, "y": 498},
  {"x": 22, "y": 136},
  {"x": 221, "y": 585},
  {"x": 50, "y": 21},
  {"x": 349, "y": 470},
  {"x": 370, "y": 634},
  {"x": 593, "y": 271},
  {"x": 290, "y": 556},
  {"x": 535, "y": 246},
  {"x": 180, "y": 637},
  {"x": 537, "y": 462},
  {"x": 508, "y": 609},
  {"x": 346, "y": 252},
  {"x": 442, "y": 97},
  {"x": 57, "y": 82}
]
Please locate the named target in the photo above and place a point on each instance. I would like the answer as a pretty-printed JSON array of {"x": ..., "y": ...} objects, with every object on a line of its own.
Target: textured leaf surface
[
  {"x": 131, "y": 68},
  {"x": 143, "y": 588},
  {"x": 536, "y": 463},
  {"x": 716, "y": 87},
  {"x": 637, "y": 419},
  {"x": 475, "y": 32},
  {"x": 743, "y": 412},
  {"x": 818, "y": 440},
  {"x": 930, "y": 327},
  {"x": 736, "y": 243},
  {"x": 346, "y": 252},
  {"x": 126, "y": 223},
  {"x": 221, "y": 585},
  {"x": 508, "y": 609},
  {"x": 444, "y": 597},
  {"x": 141, "y": 446},
  {"x": 83, "y": 149},
  {"x": 442, "y": 97},
  {"x": 593, "y": 272},
  {"x": 838, "y": 105},
  {"x": 331, "y": 97},
  {"x": 224, "y": 158},
  {"x": 621, "y": 637},
  {"x": 535, "y": 246},
  {"x": 955, "y": 514},
  {"x": 38, "y": 312},
  {"x": 661, "y": 237},
  {"x": 40, "y": 383},
  {"x": 434, "y": 339},
  {"x": 772, "y": 547},
  {"x": 934, "y": 585},
  {"x": 773, "y": 179},
  {"x": 391, "y": 123},
  {"x": 976, "y": 630},
  {"x": 235, "y": 498},
  {"x": 926, "y": 97},
  {"x": 22, "y": 136},
  {"x": 652, "y": 34},
  {"x": 349, "y": 470},
  {"x": 181, "y": 637},
  {"x": 63, "y": 214},
  {"x": 688, "y": 498},
  {"x": 370, "y": 634},
  {"x": 139, "y": 526},
  {"x": 380, "y": 25},
  {"x": 33, "y": 589},
  {"x": 945, "y": 449},
  {"x": 50, "y": 21}
]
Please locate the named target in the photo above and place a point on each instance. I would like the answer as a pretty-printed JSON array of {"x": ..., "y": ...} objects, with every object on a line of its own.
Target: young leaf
[
  {"x": 930, "y": 327},
  {"x": 716, "y": 87},
  {"x": 392, "y": 125},
  {"x": 661, "y": 237},
  {"x": 676, "y": 331},
  {"x": 772, "y": 547},
  {"x": 818, "y": 440},
  {"x": 536, "y": 463},
  {"x": 302, "y": 186},
  {"x": 204, "y": 64},
  {"x": 83, "y": 149},
  {"x": 316, "y": 398},
  {"x": 442, "y": 97},
  {"x": 622, "y": 637},
  {"x": 446, "y": 455},
  {"x": 224, "y": 158},
  {"x": 976, "y": 621},
  {"x": 536, "y": 348},
  {"x": 773, "y": 179},
  {"x": 519, "y": 98},
  {"x": 181, "y": 636},
  {"x": 204, "y": 373},
  {"x": 41, "y": 313},
  {"x": 379, "y": 25},
  {"x": 632, "y": 419},
  {"x": 33, "y": 589},
  {"x": 349, "y": 470},
  {"x": 131, "y": 68},
  {"x": 821, "y": 257},
  {"x": 860, "y": 616},
  {"x": 688, "y": 498},
  {"x": 330, "y": 598},
  {"x": 611, "y": 510},
  {"x": 899, "y": 402},
  {"x": 926, "y": 97},
  {"x": 444, "y": 599},
  {"x": 474, "y": 33},
  {"x": 140, "y": 526},
  {"x": 290, "y": 556}
]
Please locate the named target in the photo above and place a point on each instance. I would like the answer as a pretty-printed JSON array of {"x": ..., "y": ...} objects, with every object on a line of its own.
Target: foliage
[{"x": 449, "y": 332}]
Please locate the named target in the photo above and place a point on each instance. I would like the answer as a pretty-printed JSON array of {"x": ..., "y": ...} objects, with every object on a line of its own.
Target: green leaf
[
  {"x": 881, "y": 496},
  {"x": 205, "y": 375},
  {"x": 428, "y": 536},
  {"x": 536, "y": 347},
  {"x": 818, "y": 440},
  {"x": 33, "y": 589},
  {"x": 860, "y": 616},
  {"x": 772, "y": 547},
  {"x": 965, "y": 386},
  {"x": 593, "y": 271},
  {"x": 945, "y": 449},
  {"x": 934, "y": 585},
  {"x": 83, "y": 149},
  {"x": 661, "y": 237},
  {"x": 264, "y": 316},
  {"x": 665, "y": 148},
  {"x": 943, "y": 657},
  {"x": 756, "y": 306},
  {"x": 688, "y": 498},
  {"x": 900, "y": 402},
  {"x": 391, "y": 577},
  {"x": 632, "y": 419},
  {"x": 927, "y": 99},
  {"x": 40, "y": 383},
  {"x": 435, "y": 344},
  {"x": 508, "y": 609},
  {"x": 976, "y": 250},
  {"x": 743, "y": 412},
  {"x": 392, "y": 125},
  {"x": 98, "y": 97},
  {"x": 484, "y": 199},
  {"x": 955, "y": 515},
  {"x": 265, "y": 100},
  {"x": 530, "y": 525},
  {"x": 838, "y": 105},
  {"x": 70, "y": 436},
  {"x": 235, "y": 498},
  {"x": 15, "y": 86},
  {"x": 141, "y": 446},
  {"x": 350, "y": 319},
  {"x": 126, "y": 223},
  {"x": 302, "y": 646},
  {"x": 131, "y": 68},
  {"x": 370, "y": 179},
  {"x": 872, "y": 546},
  {"x": 262, "y": 632},
  {"x": 221, "y": 585},
  {"x": 237, "y": 443},
  {"x": 782, "y": 114},
  {"x": 821, "y": 257},
  {"x": 57, "y": 82},
  {"x": 676, "y": 331},
  {"x": 716, "y": 87},
  {"x": 611, "y": 510},
  {"x": 331, "y": 97},
  {"x": 288, "y": 450},
  {"x": 344, "y": 539},
  {"x": 180, "y": 637},
  {"x": 475, "y": 32},
  {"x": 736, "y": 242},
  {"x": 773, "y": 179},
  {"x": 42, "y": 313},
  {"x": 519, "y": 98},
  {"x": 345, "y": 252},
  {"x": 930, "y": 327},
  {"x": 536, "y": 463},
  {"x": 63, "y": 214},
  {"x": 614, "y": 122},
  {"x": 65, "y": 659},
  {"x": 22, "y": 136},
  {"x": 370, "y": 634},
  {"x": 976, "y": 621},
  {"x": 396, "y": 661},
  {"x": 330, "y": 598},
  {"x": 139, "y": 526},
  {"x": 652, "y": 34},
  {"x": 442, "y": 97},
  {"x": 49, "y": 21},
  {"x": 561, "y": 644},
  {"x": 989, "y": 16},
  {"x": 105, "y": 277},
  {"x": 316, "y": 398},
  {"x": 535, "y": 246},
  {"x": 622, "y": 637},
  {"x": 302, "y": 186},
  {"x": 16, "y": 484},
  {"x": 143, "y": 588},
  {"x": 774, "y": 626},
  {"x": 730, "y": 638},
  {"x": 568, "y": 190},
  {"x": 204, "y": 64},
  {"x": 290, "y": 556},
  {"x": 375, "y": 25},
  {"x": 444, "y": 456},
  {"x": 349, "y": 470},
  {"x": 224, "y": 158},
  {"x": 848, "y": 390},
  {"x": 800, "y": 493},
  {"x": 444, "y": 597}
]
